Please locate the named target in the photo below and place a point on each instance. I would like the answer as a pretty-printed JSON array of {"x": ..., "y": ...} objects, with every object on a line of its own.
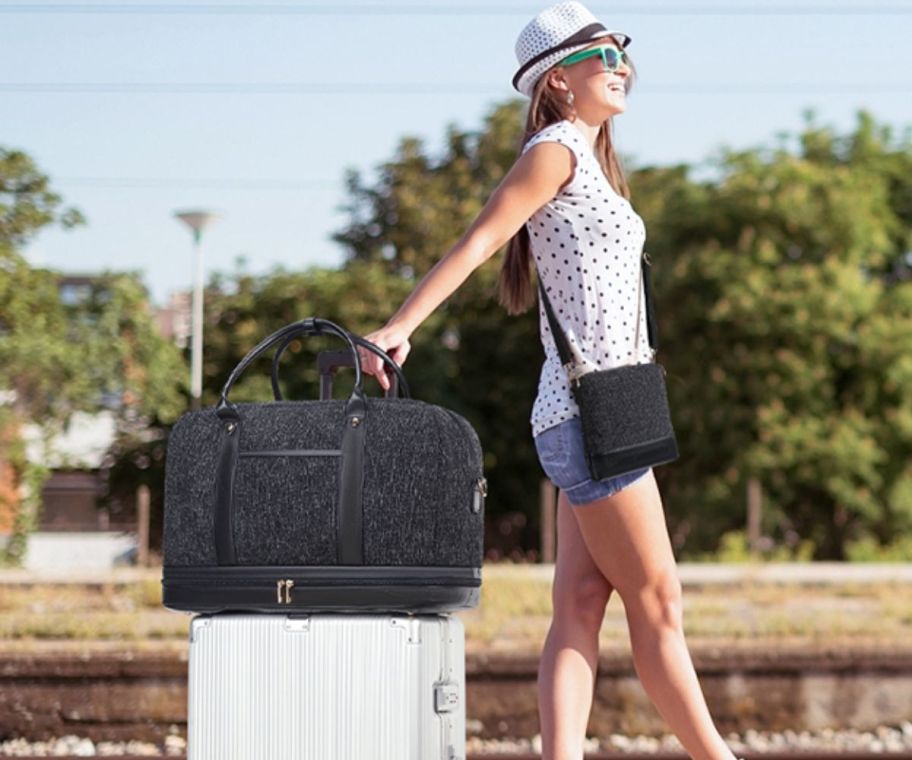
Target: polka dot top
[{"x": 587, "y": 242}]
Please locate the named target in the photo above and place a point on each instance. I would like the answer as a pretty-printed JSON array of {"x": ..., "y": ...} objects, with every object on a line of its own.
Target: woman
[{"x": 564, "y": 202}]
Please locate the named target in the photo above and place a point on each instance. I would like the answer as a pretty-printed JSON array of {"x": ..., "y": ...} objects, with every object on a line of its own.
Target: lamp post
[{"x": 197, "y": 221}]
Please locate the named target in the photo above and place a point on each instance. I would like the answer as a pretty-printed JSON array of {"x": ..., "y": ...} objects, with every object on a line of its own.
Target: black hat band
[{"x": 584, "y": 35}]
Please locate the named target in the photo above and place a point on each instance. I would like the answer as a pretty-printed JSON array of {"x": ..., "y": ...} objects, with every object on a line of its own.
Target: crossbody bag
[{"x": 624, "y": 410}]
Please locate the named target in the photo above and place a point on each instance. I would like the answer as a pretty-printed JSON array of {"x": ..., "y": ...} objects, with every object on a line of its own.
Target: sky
[{"x": 256, "y": 111}]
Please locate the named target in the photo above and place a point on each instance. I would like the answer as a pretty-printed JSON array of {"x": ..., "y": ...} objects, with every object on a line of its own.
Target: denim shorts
[{"x": 560, "y": 451}]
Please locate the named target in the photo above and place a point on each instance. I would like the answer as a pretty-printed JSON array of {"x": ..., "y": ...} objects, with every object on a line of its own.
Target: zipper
[
  {"x": 266, "y": 576},
  {"x": 480, "y": 486},
  {"x": 278, "y": 587},
  {"x": 284, "y": 585}
]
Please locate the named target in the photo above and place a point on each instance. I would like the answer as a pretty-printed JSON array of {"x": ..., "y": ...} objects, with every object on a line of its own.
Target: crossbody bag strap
[
  {"x": 650, "y": 311},
  {"x": 560, "y": 337}
]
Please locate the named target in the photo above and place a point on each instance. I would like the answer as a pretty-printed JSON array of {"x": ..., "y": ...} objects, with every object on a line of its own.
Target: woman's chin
[{"x": 615, "y": 102}]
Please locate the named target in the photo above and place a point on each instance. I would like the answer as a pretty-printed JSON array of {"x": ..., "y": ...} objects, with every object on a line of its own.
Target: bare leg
[
  {"x": 628, "y": 540},
  {"x": 566, "y": 674}
]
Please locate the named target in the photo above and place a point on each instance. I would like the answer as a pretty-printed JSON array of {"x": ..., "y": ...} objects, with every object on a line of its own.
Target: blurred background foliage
[
  {"x": 102, "y": 352},
  {"x": 783, "y": 281}
]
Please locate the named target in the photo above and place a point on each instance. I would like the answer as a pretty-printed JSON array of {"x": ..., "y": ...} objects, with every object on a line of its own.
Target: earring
[{"x": 570, "y": 98}]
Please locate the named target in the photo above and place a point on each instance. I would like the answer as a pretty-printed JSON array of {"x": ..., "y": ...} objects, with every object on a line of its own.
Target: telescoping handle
[{"x": 329, "y": 361}]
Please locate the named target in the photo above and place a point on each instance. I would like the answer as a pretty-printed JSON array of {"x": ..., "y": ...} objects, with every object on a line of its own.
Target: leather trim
[
  {"x": 383, "y": 588},
  {"x": 385, "y": 598},
  {"x": 428, "y": 575},
  {"x": 621, "y": 461},
  {"x": 224, "y": 488},
  {"x": 350, "y": 509}
]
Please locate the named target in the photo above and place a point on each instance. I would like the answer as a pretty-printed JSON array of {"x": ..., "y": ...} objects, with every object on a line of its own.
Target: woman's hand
[{"x": 395, "y": 342}]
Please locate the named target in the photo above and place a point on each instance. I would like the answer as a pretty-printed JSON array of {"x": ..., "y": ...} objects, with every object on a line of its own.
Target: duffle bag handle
[
  {"x": 399, "y": 381},
  {"x": 309, "y": 326},
  {"x": 349, "y": 539}
]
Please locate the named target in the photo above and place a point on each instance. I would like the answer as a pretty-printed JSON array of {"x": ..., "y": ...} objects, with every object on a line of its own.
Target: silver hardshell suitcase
[{"x": 326, "y": 687}]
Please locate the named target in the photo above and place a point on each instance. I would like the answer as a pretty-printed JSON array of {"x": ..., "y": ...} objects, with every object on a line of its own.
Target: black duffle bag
[{"x": 358, "y": 504}]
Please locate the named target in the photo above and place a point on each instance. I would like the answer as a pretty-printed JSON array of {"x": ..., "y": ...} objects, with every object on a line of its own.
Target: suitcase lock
[{"x": 446, "y": 697}]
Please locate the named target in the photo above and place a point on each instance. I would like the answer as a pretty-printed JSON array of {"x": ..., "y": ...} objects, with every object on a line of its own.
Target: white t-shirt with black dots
[{"x": 587, "y": 242}]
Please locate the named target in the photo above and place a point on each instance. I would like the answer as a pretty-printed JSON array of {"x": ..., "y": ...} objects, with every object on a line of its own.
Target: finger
[
  {"x": 390, "y": 376},
  {"x": 368, "y": 357},
  {"x": 364, "y": 358},
  {"x": 376, "y": 365},
  {"x": 380, "y": 373},
  {"x": 372, "y": 365},
  {"x": 400, "y": 352}
]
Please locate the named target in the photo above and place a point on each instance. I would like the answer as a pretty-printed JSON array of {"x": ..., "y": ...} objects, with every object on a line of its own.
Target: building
[
  {"x": 73, "y": 531},
  {"x": 174, "y": 319}
]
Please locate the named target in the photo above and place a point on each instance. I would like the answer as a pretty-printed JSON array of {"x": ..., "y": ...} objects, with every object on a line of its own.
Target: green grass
[{"x": 514, "y": 614}]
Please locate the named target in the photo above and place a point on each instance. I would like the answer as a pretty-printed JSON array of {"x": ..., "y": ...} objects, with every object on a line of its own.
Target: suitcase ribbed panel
[{"x": 325, "y": 687}]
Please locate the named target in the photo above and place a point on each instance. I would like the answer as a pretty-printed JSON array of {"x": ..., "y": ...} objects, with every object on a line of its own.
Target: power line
[
  {"x": 272, "y": 9},
  {"x": 431, "y": 88},
  {"x": 211, "y": 183},
  {"x": 252, "y": 88}
]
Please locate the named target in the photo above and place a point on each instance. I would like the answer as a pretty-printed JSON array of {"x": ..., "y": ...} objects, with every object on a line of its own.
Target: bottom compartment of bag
[{"x": 282, "y": 588}]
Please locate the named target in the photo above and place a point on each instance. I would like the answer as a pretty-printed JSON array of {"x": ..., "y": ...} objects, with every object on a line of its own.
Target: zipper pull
[
  {"x": 283, "y": 590},
  {"x": 478, "y": 495}
]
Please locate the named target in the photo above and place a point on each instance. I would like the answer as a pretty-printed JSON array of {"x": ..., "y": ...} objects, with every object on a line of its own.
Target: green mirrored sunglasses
[{"x": 612, "y": 58}]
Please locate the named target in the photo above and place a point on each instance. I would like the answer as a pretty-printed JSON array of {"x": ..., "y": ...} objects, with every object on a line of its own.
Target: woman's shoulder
[{"x": 561, "y": 131}]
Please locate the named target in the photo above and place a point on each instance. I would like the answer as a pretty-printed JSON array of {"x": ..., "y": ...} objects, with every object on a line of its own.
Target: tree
[
  {"x": 27, "y": 204},
  {"x": 34, "y": 357},
  {"x": 784, "y": 309},
  {"x": 420, "y": 206},
  {"x": 101, "y": 352}
]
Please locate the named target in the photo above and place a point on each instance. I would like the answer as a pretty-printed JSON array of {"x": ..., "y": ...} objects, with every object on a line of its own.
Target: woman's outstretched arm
[{"x": 534, "y": 179}]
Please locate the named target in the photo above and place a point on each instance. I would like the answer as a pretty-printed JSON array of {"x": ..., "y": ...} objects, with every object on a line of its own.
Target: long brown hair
[{"x": 515, "y": 286}]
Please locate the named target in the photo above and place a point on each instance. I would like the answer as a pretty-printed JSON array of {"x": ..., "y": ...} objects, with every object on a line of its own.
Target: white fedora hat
[{"x": 551, "y": 36}]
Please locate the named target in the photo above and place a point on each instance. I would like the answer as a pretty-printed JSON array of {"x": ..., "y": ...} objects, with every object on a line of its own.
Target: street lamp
[{"x": 197, "y": 221}]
